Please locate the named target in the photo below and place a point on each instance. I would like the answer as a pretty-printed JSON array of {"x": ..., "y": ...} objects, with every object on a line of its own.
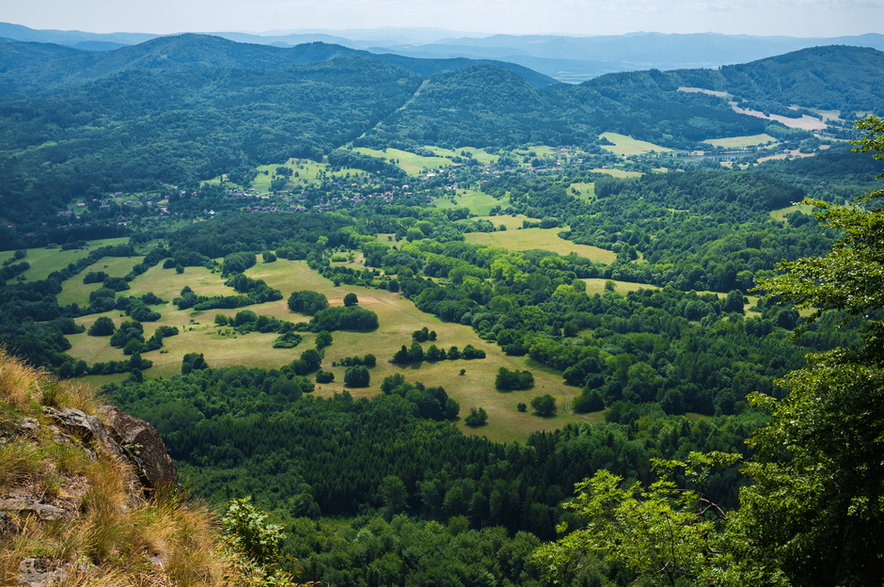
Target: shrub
[
  {"x": 477, "y": 417},
  {"x": 104, "y": 326},
  {"x": 357, "y": 376}
]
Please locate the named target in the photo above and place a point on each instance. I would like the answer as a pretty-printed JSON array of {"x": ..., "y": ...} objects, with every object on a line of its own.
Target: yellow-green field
[
  {"x": 74, "y": 291},
  {"x": 478, "y": 202},
  {"x": 410, "y": 163},
  {"x": 584, "y": 190},
  {"x": 44, "y": 261},
  {"x": 742, "y": 142},
  {"x": 596, "y": 285},
  {"x": 511, "y": 222},
  {"x": 307, "y": 171},
  {"x": 398, "y": 318},
  {"x": 627, "y": 146},
  {"x": 780, "y": 215},
  {"x": 540, "y": 238},
  {"x": 614, "y": 172},
  {"x": 479, "y": 155}
]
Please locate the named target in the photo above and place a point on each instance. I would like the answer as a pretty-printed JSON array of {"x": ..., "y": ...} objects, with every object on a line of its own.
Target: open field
[
  {"x": 742, "y": 142},
  {"x": 478, "y": 202},
  {"x": 74, "y": 291},
  {"x": 584, "y": 190},
  {"x": 596, "y": 285},
  {"x": 44, "y": 261},
  {"x": 540, "y": 238},
  {"x": 614, "y": 172},
  {"x": 780, "y": 215},
  {"x": 511, "y": 222},
  {"x": 398, "y": 319},
  {"x": 479, "y": 155},
  {"x": 410, "y": 163},
  {"x": 627, "y": 146}
]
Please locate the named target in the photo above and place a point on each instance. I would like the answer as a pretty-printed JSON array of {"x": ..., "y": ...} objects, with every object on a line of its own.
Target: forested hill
[
  {"x": 181, "y": 109},
  {"x": 842, "y": 78},
  {"x": 42, "y": 68}
]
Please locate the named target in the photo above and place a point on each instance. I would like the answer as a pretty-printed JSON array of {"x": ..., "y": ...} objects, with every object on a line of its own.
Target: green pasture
[
  {"x": 615, "y": 172},
  {"x": 540, "y": 238},
  {"x": 74, "y": 291},
  {"x": 742, "y": 141},
  {"x": 398, "y": 318},
  {"x": 510, "y": 221},
  {"x": 596, "y": 285},
  {"x": 478, "y": 202},
  {"x": 583, "y": 190},
  {"x": 480, "y": 155},
  {"x": 780, "y": 214},
  {"x": 410, "y": 163},
  {"x": 44, "y": 261},
  {"x": 627, "y": 146}
]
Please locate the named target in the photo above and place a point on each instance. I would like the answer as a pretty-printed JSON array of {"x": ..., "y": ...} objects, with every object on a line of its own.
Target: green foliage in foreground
[{"x": 814, "y": 507}]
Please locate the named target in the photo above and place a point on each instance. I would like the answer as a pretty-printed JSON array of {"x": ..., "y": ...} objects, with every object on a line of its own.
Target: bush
[
  {"x": 507, "y": 380},
  {"x": 544, "y": 405},
  {"x": 104, "y": 326},
  {"x": 589, "y": 401},
  {"x": 357, "y": 376},
  {"x": 350, "y": 299},
  {"x": 307, "y": 302},
  {"x": 324, "y": 376},
  {"x": 477, "y": 417},
  {"x": 193, "y": 362}
]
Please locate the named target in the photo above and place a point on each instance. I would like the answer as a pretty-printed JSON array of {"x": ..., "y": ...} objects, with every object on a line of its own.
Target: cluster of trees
[
  {"x": 246, "y": 321},
  {"x": 507, "y": 380},
  {"x": 307, "y": 302},
  {"x": 415, "y": 354},
  {"x": 343, "y": 318}
]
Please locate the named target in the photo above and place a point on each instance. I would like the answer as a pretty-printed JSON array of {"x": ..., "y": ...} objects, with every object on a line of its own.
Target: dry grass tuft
[{"x": 114, "y": 537}]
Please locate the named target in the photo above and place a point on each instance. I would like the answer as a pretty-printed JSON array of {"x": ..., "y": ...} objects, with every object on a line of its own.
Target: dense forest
[{"x": 676, "y": 331}]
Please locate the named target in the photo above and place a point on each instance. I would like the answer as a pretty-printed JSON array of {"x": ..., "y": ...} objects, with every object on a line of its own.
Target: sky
[{"x": 799, "y": 18}]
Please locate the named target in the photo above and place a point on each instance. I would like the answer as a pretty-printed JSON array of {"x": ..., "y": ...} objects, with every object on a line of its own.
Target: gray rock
[
  {"x": 45, "y": 512},
  {"x": 143, "y": 445},
  {"x": 29, "y": 427},
  {"x": 80, "y": 424},
  {"x": 35, "y": 572}
]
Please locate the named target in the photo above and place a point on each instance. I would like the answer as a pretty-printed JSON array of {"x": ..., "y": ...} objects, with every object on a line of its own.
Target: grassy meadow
[
  {"x": 626, "y": 146},
  {"x": 480, "y": 155},
  {"x": 539, "y": 238},
  {"x": 780, "y": 214},
  {"x": 583, "y": 190},
  {"x": 512, "y": 222},
  {"x": 44, "y": 261},
  {"x": 410, "y": 163},
  {"x": 398, "y": 318},
  {"x": 479, "y": 203},
  {"x": 74, "y": 291},
  {"x": 615, "y": 172}
]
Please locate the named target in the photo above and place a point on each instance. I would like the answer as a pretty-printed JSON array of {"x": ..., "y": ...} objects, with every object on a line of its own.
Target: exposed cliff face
[{"x": 88, "y": 494}]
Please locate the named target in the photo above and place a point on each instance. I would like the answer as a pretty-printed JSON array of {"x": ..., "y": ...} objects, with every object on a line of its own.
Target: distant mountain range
[
  {"x": 565, "y": 58},
  {"x": 180, "y": 109}
]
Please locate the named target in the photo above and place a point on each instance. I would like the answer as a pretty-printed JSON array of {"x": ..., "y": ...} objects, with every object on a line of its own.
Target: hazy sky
[{"x": 586, "y": 17}]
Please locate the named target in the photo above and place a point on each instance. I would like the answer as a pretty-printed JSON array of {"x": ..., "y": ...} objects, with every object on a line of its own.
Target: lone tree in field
[
  {"x": 357, "y": 376},
  {"x": 350, "y": 299},
  {"x": 103, "y": 326}
]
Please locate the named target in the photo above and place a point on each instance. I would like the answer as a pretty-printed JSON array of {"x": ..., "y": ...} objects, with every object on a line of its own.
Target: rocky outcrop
[
  {"x": 143, "y": 446},
  {"x": 115, "y": 435}
]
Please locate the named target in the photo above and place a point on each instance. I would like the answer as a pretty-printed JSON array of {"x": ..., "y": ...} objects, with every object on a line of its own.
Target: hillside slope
[{"x": 87, "y": 499}]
